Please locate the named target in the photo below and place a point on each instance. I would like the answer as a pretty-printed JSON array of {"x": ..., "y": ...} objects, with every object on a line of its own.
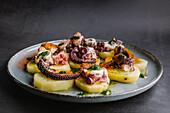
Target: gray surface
[{"x": 144, "y": 23}]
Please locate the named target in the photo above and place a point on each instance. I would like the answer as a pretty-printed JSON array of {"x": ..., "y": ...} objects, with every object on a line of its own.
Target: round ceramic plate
[{"x": 16, "y": 69}]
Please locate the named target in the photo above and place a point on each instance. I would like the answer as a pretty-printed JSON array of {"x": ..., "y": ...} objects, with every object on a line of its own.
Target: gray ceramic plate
[{"x": 120, "y": 91}]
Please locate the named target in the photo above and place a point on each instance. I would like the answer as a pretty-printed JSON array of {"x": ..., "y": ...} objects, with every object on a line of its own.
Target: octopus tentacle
[
  {"x": 74, "y": 57},
  {"x": 51, "y": 73}
]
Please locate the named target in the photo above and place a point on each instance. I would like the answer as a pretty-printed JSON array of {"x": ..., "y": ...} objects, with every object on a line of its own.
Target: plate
[{"x": 16, "y": 69}]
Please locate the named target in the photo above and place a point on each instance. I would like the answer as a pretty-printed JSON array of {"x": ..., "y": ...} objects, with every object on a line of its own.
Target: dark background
[{"x": 144, "y": 23}]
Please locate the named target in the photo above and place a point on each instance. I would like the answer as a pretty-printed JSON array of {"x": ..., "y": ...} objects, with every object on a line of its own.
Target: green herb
[
  {"x": 61, "y": 44},
  {"x": 67, "y": 45},
  {"x": 38, "y": 65},
  {"x": 44, "y": 59},
  {"x": 95, "y": 67},
  {"x": 75, "y": 70},
  {"x": 106, "y": 92},
  {"x": 112, "y": 83},
  {"x": 47, "y": 67},
  {"x": 90, "y": 39},
  {"x": 45, "y": 53},
  {"x": 76, "y": 37},
  {"x": 44, "y": 68},
  {"x": 111, "y": 42},
  {"x": 30, "y": 58},
  {"x": 62, "y": 72},
  {"x": 63, "y": 50},
  {"x": 142, "y": 76},
  {"x": 122, "y": 56},
  {"x": 34, "y": 63},
  {"x": 83, "y": 94},
  {"x": 85, "y": 46}
]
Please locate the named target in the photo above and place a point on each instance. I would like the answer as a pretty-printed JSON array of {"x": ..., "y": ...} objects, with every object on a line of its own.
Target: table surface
[{"x": 144, "y": 23}]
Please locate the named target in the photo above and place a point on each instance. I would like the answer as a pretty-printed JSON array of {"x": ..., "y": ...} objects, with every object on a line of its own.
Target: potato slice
[
  {"x": 32, "y": 67},
  {"x": 94, "y": 88},
  {"x": 140, "y": 63},
  {"x": 66, "y": 67},
  {"x": 123, "y": 76},
  {"x": 104, "y": 55},
  {"x": 47, "y": 84}
]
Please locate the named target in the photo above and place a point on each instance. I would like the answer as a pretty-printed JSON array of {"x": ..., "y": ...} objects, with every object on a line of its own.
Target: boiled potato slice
[
  {"x": 66, "y": 67},
  {"x": 47, "y": 84},
  {"x": 104, "y": 55},
  {"x": 73, "y": 64},
  {"x": 123, "y": 76},
  {"x": 140, "y": 63},
  {"x": 76, "y": 65},
  {"x": 94, "y": 88},
  {"x": 32, "y": 67}
]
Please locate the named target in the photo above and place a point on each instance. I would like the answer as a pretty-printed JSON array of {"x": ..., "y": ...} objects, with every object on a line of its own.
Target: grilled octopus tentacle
[
  {"x": 74, "y": 57},
  {"x": 44, "y": 68}
]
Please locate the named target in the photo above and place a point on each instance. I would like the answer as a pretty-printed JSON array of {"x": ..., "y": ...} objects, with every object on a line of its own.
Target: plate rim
[{"x": 142, "y": 89}]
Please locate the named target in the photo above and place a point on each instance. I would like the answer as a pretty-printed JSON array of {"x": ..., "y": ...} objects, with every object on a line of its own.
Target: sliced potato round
[
  {"x": 76, "y": 65},
  {"x": 66, "y": 67},
  {"x": 123, "y": 76},
  {"x": 32, "y": 67},
  {"x": 47, "y": 84},
  {"x": 73, "y": 64},
  {"x": 94, "y": 88},
  {"x": 104, "y": 55},
  {"x": 140, "y": 63}
]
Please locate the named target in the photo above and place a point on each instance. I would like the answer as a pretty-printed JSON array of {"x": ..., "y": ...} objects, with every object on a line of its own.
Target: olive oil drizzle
[
  {"x": 143, "y": 76},
  {"x": 106, "y": 92},
  {"x": 84, "y": 93}
]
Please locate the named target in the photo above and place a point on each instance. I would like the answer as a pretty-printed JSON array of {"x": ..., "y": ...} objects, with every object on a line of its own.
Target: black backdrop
[{"x": 144, "y": 23}]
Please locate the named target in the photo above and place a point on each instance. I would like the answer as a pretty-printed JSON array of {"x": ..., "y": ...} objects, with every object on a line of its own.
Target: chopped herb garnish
[
  {"x": 83, "y": 94},
  {"x": 61, "y": 44},
  {"x": 76, "y": 37},
  {"x": 90, "y": 39},
  {"x": 67, "y": 45},
  {"x": 122, "y": 56},
  {"x": 44, "y": 59},
  {"x": 95, "y": 67},
  {"x": 142, "y": 76},
  {"x": 63, "y": 50},
  {"x": 62, "y": 72},
  {"x": 38, "y": 65},
  {"x": 44, "y": 68},
  {"x": 34, "y": 63},
  {"x": 75, "y": 70},
  {"x": 30, "y": 58},
  {"x": 112, "y": 83},
  {"x": 45, "y": 53},
  {"x": 106, "y": 92},
  {"x": 85, "y": 46},
  {"x": 111, "y": 42}
]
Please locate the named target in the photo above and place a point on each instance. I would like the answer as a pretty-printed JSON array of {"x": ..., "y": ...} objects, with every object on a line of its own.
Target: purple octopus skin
[
  {"x": 74, "y": 58},
  {"x": 44, "y": 68}
]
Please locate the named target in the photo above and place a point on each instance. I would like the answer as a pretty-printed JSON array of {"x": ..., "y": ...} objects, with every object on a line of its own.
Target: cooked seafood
[
  {"x": 56, "y": 67},
  {"x": 107, "y": 49},
  {"x": 93, "y": 79}
]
